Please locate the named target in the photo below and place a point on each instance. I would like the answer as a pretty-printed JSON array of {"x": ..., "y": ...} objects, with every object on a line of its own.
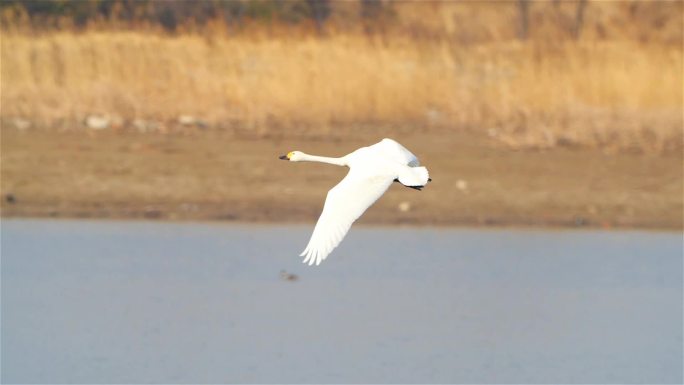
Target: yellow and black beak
[{"x": 283, "y": 157}]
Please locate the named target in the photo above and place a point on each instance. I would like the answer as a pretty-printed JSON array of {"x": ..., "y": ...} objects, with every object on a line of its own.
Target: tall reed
[{"x": 620, "y": 94}]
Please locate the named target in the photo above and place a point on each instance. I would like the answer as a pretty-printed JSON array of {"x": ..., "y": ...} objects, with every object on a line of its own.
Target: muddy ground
[{"x": 218, "y": 175}]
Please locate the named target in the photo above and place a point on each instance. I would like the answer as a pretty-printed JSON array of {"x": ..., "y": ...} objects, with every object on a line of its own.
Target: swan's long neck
[{"x": 323, "y": 159}]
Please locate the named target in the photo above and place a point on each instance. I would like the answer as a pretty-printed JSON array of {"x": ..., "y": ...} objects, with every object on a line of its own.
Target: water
[{"x": 144, "y": 302}]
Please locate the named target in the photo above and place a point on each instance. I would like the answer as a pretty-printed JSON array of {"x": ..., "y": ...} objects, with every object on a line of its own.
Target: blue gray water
[{"x": 147, "y": 302}]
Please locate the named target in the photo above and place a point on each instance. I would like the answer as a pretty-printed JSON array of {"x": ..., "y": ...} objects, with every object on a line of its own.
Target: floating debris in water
[{"x": 284, "y": 275}]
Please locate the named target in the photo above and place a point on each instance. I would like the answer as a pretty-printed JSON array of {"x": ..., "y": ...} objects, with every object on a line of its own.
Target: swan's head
[{"x": 293, "y": 156}]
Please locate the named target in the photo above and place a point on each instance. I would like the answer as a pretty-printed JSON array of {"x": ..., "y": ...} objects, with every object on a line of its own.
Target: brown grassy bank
[
  {"x": 612, "y": 94},
  {"x": 221, "y": 176}
]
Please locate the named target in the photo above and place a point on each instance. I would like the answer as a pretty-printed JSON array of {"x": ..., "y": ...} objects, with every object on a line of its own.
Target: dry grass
[{"x": 614, "y": 94}]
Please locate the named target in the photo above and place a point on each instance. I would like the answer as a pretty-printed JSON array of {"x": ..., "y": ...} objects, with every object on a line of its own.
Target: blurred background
[
  {"x": 542, "y": 113},
  {"x": 532, "y": 117}
]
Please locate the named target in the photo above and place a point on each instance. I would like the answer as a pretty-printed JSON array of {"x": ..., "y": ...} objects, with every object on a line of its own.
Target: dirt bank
[{"x": 214, "y": 175}]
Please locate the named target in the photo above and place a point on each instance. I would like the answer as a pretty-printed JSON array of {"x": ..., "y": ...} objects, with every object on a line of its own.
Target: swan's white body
[{"x": 372, "y": 170}]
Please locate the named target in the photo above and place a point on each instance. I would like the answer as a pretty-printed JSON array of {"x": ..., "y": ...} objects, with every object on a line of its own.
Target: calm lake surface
[{"x": 150, "y": 302}]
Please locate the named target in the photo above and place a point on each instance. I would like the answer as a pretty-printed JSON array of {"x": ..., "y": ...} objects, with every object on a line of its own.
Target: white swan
[{"x": 372, "y": 170}]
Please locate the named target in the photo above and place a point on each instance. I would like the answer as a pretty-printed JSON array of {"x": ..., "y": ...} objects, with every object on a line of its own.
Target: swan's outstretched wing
[
  {"x": 344, "y": 204},
  {"x": 391, "y": 149}
]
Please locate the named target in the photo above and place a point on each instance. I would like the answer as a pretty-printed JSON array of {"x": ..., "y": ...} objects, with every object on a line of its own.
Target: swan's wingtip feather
[{"x": 314, "y": 256}]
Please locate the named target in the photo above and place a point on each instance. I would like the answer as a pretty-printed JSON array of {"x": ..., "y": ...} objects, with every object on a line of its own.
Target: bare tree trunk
[
  {"x": 579, "y": 19},
  {"x": 523, "y": 5}
]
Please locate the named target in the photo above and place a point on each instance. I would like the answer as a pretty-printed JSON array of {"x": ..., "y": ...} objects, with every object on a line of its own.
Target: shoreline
[
  {"x": 277, "y": 214},
  {"x": 492, "y": 224},
  {"x": 473, "y": 225}
]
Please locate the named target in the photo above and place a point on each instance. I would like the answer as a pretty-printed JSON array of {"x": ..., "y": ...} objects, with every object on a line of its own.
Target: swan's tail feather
[{"x": 414, "y": 176}]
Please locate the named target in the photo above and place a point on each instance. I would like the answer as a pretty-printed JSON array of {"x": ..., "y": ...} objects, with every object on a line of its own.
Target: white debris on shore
[
  {"x": 21, "y": 124},
  {"x": 97, "y": 122}
]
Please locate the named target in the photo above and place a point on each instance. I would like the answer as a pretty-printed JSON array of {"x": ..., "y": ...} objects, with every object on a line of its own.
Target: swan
[{"x": 372, "y": 170}]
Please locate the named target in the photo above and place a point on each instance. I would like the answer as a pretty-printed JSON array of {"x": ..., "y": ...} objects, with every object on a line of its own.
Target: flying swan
[{"x": 372, "y": 170}]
